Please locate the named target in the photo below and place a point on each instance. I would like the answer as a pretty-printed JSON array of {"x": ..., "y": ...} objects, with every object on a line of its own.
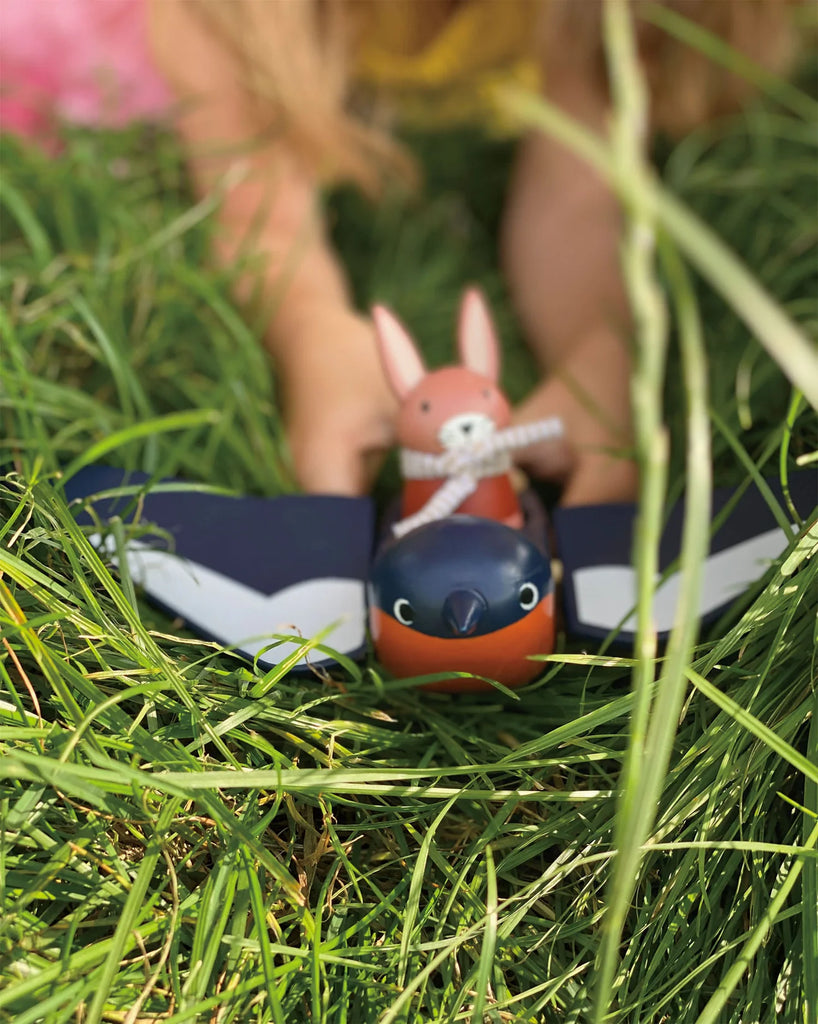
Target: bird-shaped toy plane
[{"x": 460, "y": 580}]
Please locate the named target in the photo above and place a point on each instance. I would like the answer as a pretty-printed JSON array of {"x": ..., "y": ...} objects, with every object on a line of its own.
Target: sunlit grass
[{"x": 185, "y": 839}]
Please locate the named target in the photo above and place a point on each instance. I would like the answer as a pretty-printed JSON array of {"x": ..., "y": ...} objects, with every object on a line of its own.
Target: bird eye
[
  {"x": 425, "y": 405},
  {"x": 403, "y": 611},
  {"x": 529, "y": 596}
]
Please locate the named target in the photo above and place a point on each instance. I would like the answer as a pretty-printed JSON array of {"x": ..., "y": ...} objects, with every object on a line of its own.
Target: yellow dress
[{"x": 437, "y": 59}]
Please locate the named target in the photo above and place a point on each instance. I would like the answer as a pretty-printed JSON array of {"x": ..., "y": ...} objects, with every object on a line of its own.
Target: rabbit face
[{"x": 450, "y": 408}]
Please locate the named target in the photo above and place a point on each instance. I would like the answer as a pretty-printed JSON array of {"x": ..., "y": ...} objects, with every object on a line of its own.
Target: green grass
[{"x": 182, "y": 839}]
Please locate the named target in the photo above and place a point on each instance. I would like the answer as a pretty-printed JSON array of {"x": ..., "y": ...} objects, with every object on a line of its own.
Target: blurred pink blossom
[{"x": 85, "y": 61}]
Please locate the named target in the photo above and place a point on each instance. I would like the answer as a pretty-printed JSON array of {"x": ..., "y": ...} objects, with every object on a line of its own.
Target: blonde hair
[
  {"x": 293, "y": 59},
  {"x": 296, "y": 59}
]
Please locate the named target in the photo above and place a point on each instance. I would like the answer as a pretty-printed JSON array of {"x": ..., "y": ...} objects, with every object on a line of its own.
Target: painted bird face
[{"x": 462, "y": 594}]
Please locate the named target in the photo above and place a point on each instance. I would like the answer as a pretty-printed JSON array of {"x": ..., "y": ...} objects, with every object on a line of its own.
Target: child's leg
[{"x": 560, "y": 242}]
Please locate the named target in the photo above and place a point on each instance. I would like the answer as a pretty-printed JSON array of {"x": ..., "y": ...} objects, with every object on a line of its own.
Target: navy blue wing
[
  {"x": 244, "y": 566},
  {"x": 595, "y": 545}
]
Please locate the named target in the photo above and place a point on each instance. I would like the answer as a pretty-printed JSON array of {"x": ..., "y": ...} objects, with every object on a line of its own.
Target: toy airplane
[
  {"x": 241, "y": 570},
  {"x": 461, "y": 580}
]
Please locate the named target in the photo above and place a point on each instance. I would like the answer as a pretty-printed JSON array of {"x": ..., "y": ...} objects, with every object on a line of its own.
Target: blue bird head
[{"x": 460, "y": 576}]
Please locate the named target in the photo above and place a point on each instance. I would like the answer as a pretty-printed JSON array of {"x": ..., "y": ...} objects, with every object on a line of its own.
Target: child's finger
[
  {"x": 328, "y": 469},
  {"x": 334, "y": 465}
]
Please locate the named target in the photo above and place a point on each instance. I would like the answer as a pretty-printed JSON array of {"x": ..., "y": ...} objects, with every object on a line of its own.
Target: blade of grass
[
  {"x": 415, "y": 887},
  {"x": 129, "y": 920},
  {"x": 809, "y": 901},
  {"x": 263, "y": 939},
  {"x": 116, "y": 777},
  {"x": 796, "y": 407},
  {"x": 485, "y": 965},
  {"x": 628, "y": 138},
  {"x": 33, "y": 231},
  {"x": 135, "y": 431},
  {"x": 715, "y": 1005},
  {"x": 808, "y": 768},
  {"x": 652, "y": 737}
]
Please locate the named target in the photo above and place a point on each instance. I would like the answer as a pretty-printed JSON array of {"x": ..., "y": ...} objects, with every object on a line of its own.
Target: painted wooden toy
[
  {"x": 454, "y": 424},
  {"x": 259, "y": 575},
  {"x": 463, "y": 594},
  {"x": 465, "y": 582},
  {"x": 461, "y": 581}
]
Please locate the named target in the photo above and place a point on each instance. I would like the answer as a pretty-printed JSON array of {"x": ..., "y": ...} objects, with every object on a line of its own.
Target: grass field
[{"x": 182, "y": 839}]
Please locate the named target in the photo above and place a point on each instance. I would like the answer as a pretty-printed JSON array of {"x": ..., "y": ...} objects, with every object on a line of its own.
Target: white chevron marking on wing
[
  {"x": 238, "y": 615},
  {"x": 604, "y": 593}
]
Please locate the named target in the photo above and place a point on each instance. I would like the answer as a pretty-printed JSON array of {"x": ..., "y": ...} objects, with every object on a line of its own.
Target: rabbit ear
[
  {"x": 476, "y": 337},
  {"x": 400, "y": 358}
]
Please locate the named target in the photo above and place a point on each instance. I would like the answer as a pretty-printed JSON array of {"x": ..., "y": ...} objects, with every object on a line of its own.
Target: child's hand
[
  {"x": 589, "y": 392},
  {"x": 338, "y": 408}
]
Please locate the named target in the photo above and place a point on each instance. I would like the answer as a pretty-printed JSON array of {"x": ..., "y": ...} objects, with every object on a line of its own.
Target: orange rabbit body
[
  {"x": 494, "y": 498},
  {"x": 450, "y": 420}
]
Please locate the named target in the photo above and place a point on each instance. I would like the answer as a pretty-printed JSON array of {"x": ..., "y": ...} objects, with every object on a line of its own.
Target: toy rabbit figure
[{"x": 454, "y": 423}]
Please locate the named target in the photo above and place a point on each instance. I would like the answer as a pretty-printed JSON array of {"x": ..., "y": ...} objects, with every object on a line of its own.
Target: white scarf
[{"x": 464, "y": 466}]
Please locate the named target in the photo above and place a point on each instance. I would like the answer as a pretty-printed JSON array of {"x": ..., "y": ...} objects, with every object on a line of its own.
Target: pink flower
[{"x": 82, "y": 60}]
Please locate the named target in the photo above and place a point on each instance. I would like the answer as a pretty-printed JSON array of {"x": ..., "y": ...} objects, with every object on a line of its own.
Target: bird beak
[{"x": 462, "y": 611}]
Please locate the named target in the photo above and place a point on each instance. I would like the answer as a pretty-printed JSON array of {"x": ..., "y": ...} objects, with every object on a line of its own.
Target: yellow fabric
[{"x": 438, "y": 58}]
